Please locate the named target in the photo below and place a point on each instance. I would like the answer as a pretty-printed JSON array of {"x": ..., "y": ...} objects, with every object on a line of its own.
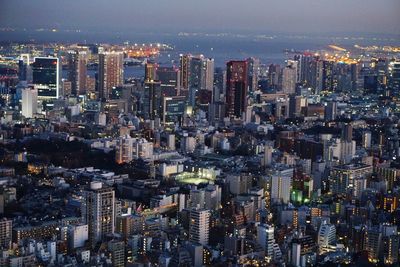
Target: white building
[
  {"x": 77, "y": 235},
  {"x": 199, "y": 226},
  {"x": 29, "y": 102},
  {"x": 281, "y": 183},
  {"x": 326, "y": 237},
  {"x": 265, "y": 238}
]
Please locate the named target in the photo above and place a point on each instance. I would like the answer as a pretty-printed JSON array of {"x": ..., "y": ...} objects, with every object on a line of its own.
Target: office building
[
  {"x": 45, "y": 77},
  {"x": 169, "y": 77},
  {"x": 173, "y": 109}
]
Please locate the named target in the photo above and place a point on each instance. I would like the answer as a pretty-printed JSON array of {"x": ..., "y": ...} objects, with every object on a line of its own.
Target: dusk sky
[{"x": 278, "y": 16}]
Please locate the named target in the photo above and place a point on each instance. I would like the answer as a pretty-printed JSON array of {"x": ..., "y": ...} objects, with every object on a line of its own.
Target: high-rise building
[
  {"x": 124, "y": 150},
  {"x": 345, "y": 178},
  {"x": 328, "y": 78},
  {"x": 330, "y": 111},
  {"x": 236, "y": 88},
  {"x": 150, "y": 71},
  {"x": 184, "y": 68},
  {"x": 391, "y": 245},
  {"x": 265, "y": 238},
  {"x": 394, "y": 75},
  {"x": 98, "y": 211},
  {"x": 199, "y": 226},
  {"x": 347, "y": 132},
  {"x": 45, "y": 77},
  {"x": 195, "y": 71},
  {"x": 274, "y": 71},
  {"x": 326, "y": 237},
  {"x": 77, "y": 71},
  {"x": 267, "y": 158},
  {"x": 110, "y": 72},
  {"x": 372, "y": 244},
  {"x": 207, "y": 74},
  {"x": 152, "y": 101},
  {"x": 366, "y": 139},
  {"x": 29, "y": 102},
  {"x": 169, "y": 77},
  {"x": 254, "y": 71},
  {"x": 117, "y": 251},
  {"x": 289, "y": 77},
  {"x": 281, "y": 183},
  {"x": 5, "y": 233},
  {"x": 173, "y": 109},
  {"x": 24, "y": 67}
]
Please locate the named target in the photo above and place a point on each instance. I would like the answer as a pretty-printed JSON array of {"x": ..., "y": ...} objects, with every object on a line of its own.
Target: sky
[{"x": 262, "y": 16}]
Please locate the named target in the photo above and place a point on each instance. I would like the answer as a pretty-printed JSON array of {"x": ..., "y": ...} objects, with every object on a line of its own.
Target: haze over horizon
[{"x": 283, "y": 16}]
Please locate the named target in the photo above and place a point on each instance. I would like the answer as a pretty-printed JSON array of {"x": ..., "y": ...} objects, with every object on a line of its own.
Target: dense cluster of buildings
[{"x": 241, "y": 165}]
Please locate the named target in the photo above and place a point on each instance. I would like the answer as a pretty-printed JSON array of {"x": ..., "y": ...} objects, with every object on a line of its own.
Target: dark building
[
  {"x": 45, "y": 75},
  {"x": 152, "y": 100},
  {"x": 173, "y": 109},
  {"x": 169, "y": 78},
  {"x": 236, "y": 88}
]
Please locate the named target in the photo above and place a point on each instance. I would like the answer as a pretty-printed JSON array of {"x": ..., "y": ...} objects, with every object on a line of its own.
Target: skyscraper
[
  {"x": 197, "y": 78},
  {"x": 45, "y": 77},
  {"x": 254, "y": 69},
  {"x": 98, "y": 211},
  {"x": 77, "y": 73},
  {"x": 152, "y": 101},
  {"x": 199, "y": 226},
  {"x": 150, "y": 71},
  {"x": 207, "y": 74},
  {"x": 236, "y": 88},
  {"x": 184, "y": 68},
  {"x": 394, "y": 75},
  {"x": 289, "y": 77},
  {"x": 110, "y": 72}
]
